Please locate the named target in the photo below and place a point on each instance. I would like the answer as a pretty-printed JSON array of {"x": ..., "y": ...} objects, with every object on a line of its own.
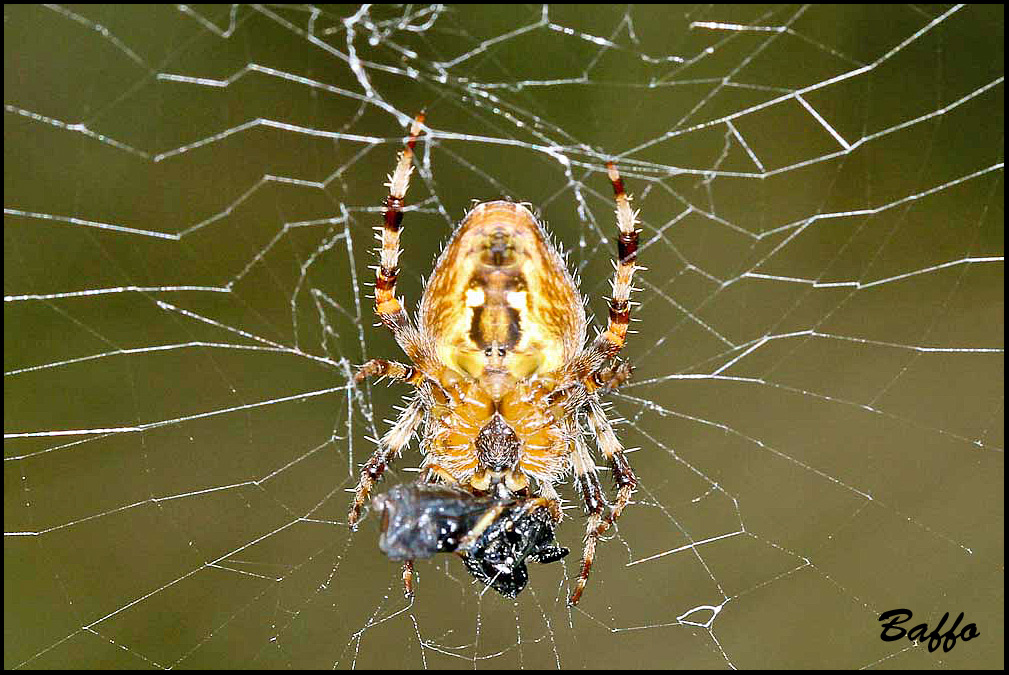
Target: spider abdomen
[{"x": 501, "y": 302}]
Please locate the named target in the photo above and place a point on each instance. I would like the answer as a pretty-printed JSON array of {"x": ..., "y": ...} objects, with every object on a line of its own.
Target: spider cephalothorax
[{"x": 499, "y": 363}]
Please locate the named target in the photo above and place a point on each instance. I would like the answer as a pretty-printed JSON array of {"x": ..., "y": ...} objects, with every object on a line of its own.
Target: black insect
[
  {"x": 494, "y": 537},
  {"x": 497, "y": 557}
]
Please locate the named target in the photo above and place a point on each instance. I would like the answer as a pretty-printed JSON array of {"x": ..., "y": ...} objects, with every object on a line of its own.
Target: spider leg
[
  {"x": 587, "y": 483},
  {"x": 607, "y": 441},
  {"x": 388, "y": 308},
  {"x": 611, "y": 377},
  {"x": 408, "y": 579},
  {"x": 486, "y": 520},
  {"x": 549, "y": 492},
  {"x": 437, "y": 472},
  {"x": 609, "y": 343},
  {"x": 389, "y": 447},
  {"x": 390, "y": 369}
]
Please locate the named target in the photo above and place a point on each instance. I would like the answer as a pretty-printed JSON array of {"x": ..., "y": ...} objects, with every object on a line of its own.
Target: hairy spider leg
[
  {"x": 604, "y": 378},
  {"x": 389, "y": 447},
  {"x": 391, "y": 369},
  {"x": 610, "y": 446},
  {"x": 388, "y": 308},
  {"x": 587, "y": 484},
  {"x": 609, "y": 343},
  {"x": 394, "y": 317}
]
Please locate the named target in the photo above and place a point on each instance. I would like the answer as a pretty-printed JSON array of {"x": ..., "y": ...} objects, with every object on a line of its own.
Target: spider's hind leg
[
  {"x": 387, "y": 306},
  {"x": 589, "y": 366}
]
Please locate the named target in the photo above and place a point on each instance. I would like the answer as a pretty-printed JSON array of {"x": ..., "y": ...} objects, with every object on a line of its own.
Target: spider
[{"x": 503, "y": 381}]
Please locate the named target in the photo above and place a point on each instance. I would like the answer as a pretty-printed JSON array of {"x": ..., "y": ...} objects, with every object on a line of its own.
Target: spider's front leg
[
  {"x": 408, "y": 579},
  {"x": 611, "y": 448},
  {"x": 389, "y": 448},
  {"x": 587, "y": 484}
]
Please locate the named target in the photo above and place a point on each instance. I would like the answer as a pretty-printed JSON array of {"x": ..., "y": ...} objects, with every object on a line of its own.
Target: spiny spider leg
[
  {"x": 587, "y": 484},
  {"x": 389, "y": 448},
  {"x": 391, "y": 369},
  {"x": 609, "y": 343},
  {"x": 408, "y": 579},
  {"x": 387, "y": 306},
  {"x": 393, "y": 316},
  {"x": 611, "y": 448}
]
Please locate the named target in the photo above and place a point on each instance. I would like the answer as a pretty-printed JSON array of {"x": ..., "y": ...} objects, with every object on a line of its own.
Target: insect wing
[{"x": 420, "y": 519}]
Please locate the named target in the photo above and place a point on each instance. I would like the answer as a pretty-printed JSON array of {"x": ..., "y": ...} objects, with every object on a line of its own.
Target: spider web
[{"x": 818, "y": 397}]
